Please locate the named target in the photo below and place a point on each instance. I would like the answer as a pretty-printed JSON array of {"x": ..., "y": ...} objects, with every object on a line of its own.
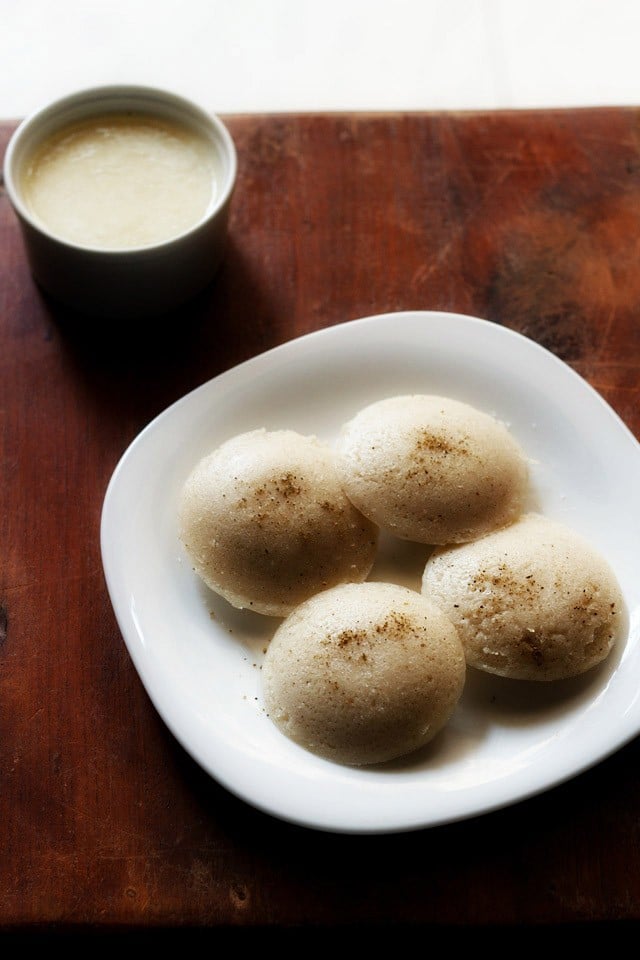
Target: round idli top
[
  {"x": 266, "y": 523},
  {"x": 363, "y": 673},
  {"x": 432, "y": 469},
  {"x": 534, "y": 601}
]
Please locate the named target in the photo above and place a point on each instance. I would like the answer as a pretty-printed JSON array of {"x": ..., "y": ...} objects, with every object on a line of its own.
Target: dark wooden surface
[{"x": 531, "y": 219}]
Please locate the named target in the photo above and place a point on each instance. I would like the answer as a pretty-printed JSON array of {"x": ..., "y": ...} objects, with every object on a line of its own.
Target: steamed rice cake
[
  {"x": 363, "y": 673},
  {"x": 266, "y": 524},
  {"x": 534, "y": 601},
  {"x": 432, "y": 469}
]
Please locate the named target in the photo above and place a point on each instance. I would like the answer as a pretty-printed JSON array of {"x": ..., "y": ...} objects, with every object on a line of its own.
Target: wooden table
[{"x": 531, "y": 219}]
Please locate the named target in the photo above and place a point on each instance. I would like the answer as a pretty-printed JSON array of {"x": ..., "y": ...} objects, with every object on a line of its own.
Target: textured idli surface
[
  {"x": 266, "y": 523},
  {"x": 363, "y": 673},
  {"x": 432, "y": 469},
  {"x": 534, "y": 601}
]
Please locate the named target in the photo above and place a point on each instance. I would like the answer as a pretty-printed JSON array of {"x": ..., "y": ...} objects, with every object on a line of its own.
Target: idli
[
  {"x": 363, "y": 673},
  {"x": 432, "y": 469},
  {"x": 266, "y": 523},
  {"x": 534, "y": 601}
]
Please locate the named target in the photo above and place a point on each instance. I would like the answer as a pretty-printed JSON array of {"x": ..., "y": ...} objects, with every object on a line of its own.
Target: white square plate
[{"x": 199, "y": 659}]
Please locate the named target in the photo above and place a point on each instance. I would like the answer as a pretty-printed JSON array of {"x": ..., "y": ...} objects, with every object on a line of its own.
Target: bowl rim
[{"x": 136, "y": 94}]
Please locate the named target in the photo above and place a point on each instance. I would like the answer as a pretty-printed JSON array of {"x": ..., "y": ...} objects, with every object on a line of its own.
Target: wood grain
[{"x": 530, "y": 219}]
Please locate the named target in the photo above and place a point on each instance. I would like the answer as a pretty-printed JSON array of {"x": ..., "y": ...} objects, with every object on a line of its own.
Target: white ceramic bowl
[{"x": 141, "y": 281}]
